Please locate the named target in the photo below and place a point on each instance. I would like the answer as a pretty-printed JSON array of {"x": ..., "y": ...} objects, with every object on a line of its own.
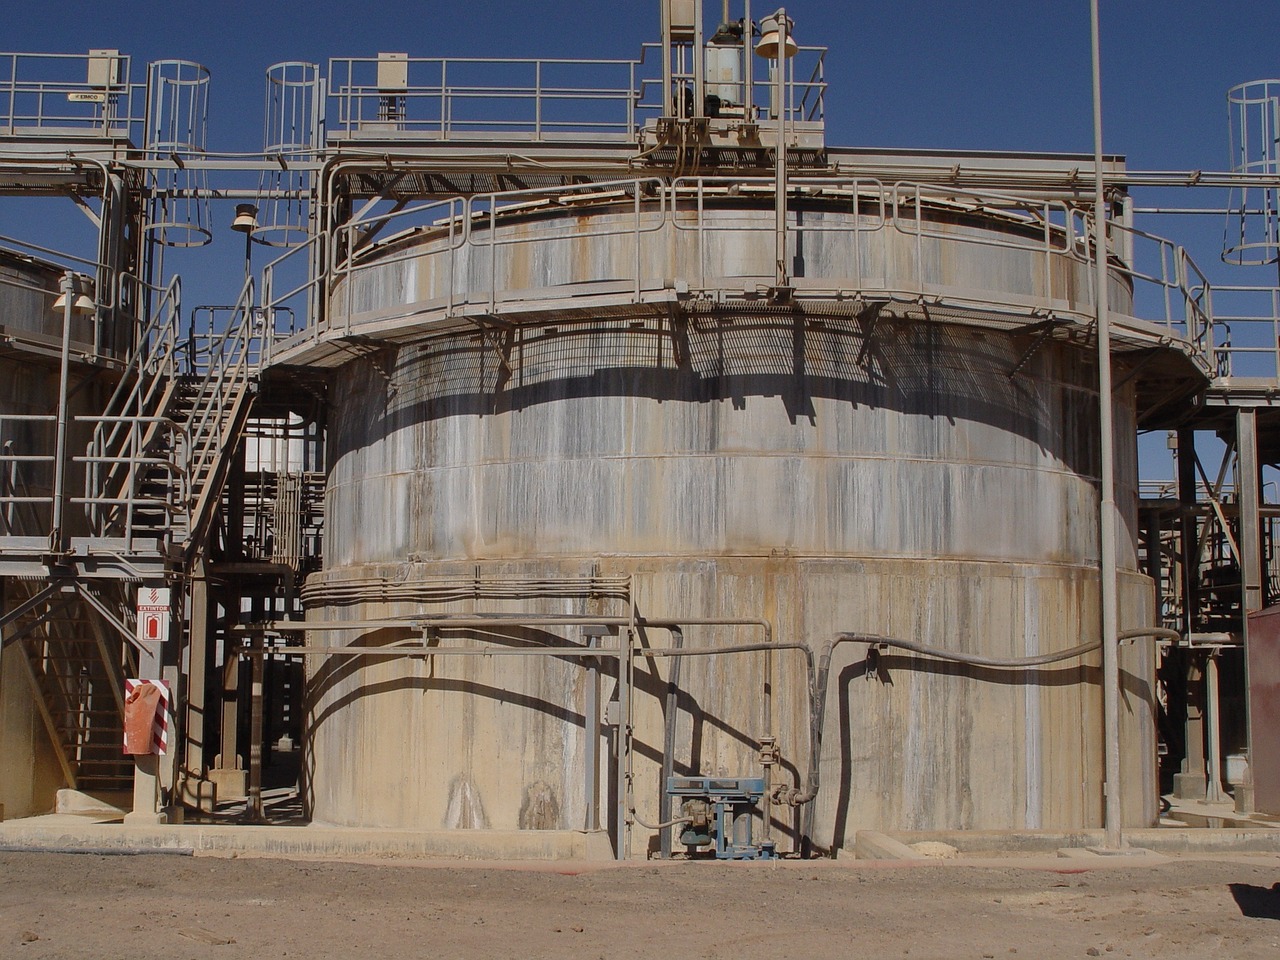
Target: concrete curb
[
  {"x": 335, "y": 842},
  {"x": 1164, "y": 840}
]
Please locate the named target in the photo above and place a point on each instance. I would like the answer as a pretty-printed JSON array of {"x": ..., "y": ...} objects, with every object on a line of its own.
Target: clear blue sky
[
  {"x": 999, "y": 74},
  {"x": 971, "y": 74}
]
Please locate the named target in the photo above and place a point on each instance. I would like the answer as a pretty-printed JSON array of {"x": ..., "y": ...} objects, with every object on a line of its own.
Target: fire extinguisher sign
[{"x": 153, "y": 614}]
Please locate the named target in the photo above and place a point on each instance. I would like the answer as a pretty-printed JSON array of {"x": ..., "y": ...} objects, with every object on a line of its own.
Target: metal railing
[
  {"x": 536, "y": 99},
  {"x": 453, "y": 98},
  {"x": 218, "y": 379},
  {"x": 51, "y": 94},
  {"x": 122, "y": 451},
  {"x": 19, "y": 506},
  {"x": 896, "y": 229},
  {"x": 1161, "y": 270},
  {"x": 1247, "y": 322}
]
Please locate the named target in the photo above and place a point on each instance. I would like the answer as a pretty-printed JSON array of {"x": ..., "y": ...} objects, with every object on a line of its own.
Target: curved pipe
[{"x": 818, "y": 694}]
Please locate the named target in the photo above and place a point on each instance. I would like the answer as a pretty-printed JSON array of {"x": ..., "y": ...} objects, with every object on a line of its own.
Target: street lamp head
[
  {"x": 77, "y": 287},
  {"x": 770, "y": 27},
  {"x": 246, "y": 220}
]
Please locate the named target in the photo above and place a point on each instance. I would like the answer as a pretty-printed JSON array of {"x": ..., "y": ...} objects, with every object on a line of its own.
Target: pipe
[
  {"x": 780, "y": 154},
  {"x": 664, "y": 825},
  {"x": 253, "y": 811},
  {"x": 668, "y": 744},
  {"x": 818, "y": 693},
  {"x": 591, "y": 744},
  {"x": 58, "y": 539},
  {"x": 1108, "y": 565}
]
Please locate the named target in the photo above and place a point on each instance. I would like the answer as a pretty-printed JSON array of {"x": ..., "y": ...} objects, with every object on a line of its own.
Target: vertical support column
[
  {"x": 195, "y": 789},
  {"x": 258, "y": 656},
  {"x": 1214, "y": 792},
  {"x": 228, "y": 775},
  {"x": 1190, "y": 782},
  {"x": 1249, "y": 505},
  {"x": 1248, "y": 502},
  {"x": 1189, "y": 532},
  {"x": 146, "y": 770},
  {"x": 1155, "y": 562}
]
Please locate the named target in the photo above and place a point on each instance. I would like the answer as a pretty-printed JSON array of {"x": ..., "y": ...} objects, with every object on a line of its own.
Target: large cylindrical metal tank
[{"x": 838, "y": 463}]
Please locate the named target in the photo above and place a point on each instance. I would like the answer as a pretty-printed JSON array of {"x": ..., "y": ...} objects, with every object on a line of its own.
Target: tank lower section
[
  {"x": 905, "y": 478},
  {"x": 910, "y": 743}
]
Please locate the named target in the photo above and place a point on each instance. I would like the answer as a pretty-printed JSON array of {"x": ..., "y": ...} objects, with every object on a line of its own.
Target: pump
[{"x": 718, "y": 811}]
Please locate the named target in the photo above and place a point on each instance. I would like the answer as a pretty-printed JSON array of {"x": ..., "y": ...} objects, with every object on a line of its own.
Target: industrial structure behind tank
[{"x": 602, "y": 449}]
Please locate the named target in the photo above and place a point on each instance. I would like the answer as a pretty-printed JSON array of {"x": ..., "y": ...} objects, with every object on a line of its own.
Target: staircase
[
  {"x": 160, "y": 454},
  {"x": 75, "y": 670}
]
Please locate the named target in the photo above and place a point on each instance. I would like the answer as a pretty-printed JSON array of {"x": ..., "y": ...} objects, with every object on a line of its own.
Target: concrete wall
[
  {"x": 29, "y": 772},
  {"x": 735, "y": 466}
]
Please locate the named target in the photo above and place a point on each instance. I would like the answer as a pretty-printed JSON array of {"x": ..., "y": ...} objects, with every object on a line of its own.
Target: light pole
[
  {"x": 246, "y": 222},
  {"x": 776, "y": 44},
  {"x": 1107, "y": 526},
  {"x": 70, "y": 301}
]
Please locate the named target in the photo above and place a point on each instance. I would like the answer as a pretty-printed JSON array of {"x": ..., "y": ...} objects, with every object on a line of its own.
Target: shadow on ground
[{"x": 1259, "y": 902}]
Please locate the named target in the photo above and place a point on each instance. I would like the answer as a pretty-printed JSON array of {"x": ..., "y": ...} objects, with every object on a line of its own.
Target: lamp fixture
[
  {"x": 767, "y": 47},
  {"x": 246, "y": 220}
]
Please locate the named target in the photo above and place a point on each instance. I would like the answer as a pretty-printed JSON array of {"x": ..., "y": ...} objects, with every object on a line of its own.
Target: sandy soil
[{"x": 183, "y": 908}]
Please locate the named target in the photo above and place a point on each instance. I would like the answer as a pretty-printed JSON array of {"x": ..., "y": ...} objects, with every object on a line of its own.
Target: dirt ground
[{"x": 192, "y": 908}]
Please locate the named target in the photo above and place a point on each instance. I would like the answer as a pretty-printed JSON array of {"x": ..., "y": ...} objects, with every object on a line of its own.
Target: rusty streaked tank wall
[{"x": 825, "y": 465}]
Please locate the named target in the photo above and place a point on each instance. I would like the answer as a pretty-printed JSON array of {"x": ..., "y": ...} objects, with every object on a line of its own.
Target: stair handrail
[
  {"x": 233, "y": 360},
  {"x": 148, "y": 374}
]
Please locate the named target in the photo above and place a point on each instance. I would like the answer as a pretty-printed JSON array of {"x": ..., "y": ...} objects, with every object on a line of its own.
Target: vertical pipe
[
  {"x": 669, "y": 741},
  {"x": 668, "y": 90},
  {"x": 591, "y": 751},
  {"x": 1110, "y": 643},
  {"x": 1188, "y": 534},
  {"x": 254, "y": 810},
  {"x": 780, "y": 172},
  {"x": 623, "y": 744},
  {"x": 1248, "y": 503},
  {"x": 57, "y": 538}
]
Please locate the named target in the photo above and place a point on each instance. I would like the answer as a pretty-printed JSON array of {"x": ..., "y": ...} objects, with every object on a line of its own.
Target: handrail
[
  {"x": 1055, "y": 234},
  {"x": 130, "y": 424},
  {"x": 233, "y": 360},
  {"x": 104, "y": 105},
  {"x": 1247, "y": 332},
  {"x": 360, "y": 102}
]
